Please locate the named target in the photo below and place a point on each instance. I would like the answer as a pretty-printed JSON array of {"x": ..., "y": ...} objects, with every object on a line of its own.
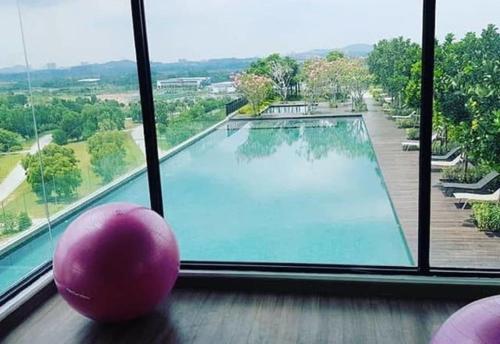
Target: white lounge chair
[
  {"x": 439, "y": 164},
  {"x": 466, "y": 197},
  {"x": 413, "y": 114},
  {"x": 406, "y": 145}
]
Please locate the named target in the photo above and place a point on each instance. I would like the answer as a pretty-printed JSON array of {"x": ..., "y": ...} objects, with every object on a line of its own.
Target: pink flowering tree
[
  {"x": 315, "y": 75},
  {"x": 255, "y": 88},
  {"x": 357, "y": 80}
]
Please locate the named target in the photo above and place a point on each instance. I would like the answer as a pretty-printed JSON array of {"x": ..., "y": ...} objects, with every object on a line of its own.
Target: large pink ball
[
  {"x": 116, "y": 262},
  {"x": 476, "y": 323}
]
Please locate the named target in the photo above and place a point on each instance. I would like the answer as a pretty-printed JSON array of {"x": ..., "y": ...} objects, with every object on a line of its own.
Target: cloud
[{"x": 70, "y": 31}]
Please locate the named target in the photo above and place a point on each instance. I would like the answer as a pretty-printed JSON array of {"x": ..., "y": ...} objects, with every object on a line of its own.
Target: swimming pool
[{"x": 287, "y": 190}]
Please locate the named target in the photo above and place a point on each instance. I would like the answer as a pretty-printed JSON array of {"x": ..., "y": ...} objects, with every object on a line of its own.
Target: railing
[
  {"x": 235, "y": 105},
  {"x": 286, "y": 108}
]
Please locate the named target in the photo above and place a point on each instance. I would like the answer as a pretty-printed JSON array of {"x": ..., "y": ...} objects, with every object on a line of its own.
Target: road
[
  {"x": 18, "y": 175},
  {"x": 138, "y": 136}
]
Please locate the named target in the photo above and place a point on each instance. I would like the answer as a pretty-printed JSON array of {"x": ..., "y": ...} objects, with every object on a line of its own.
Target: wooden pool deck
[{"x": 455, "y": 241}]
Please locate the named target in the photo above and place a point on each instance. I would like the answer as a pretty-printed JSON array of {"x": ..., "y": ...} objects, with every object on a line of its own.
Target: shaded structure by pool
[{"x": 285, "y": 190}]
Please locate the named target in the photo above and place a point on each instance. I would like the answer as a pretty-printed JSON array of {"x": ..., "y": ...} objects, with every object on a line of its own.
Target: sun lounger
[
  {"x": 478, "y": 187},
  {"x": 466, "y": 197},
  {"x": 448, "y": 156},
  {"x": 406, "y": 145},
  {"x": 410, "y": 116},
  {"x": 438, "y": 165}
]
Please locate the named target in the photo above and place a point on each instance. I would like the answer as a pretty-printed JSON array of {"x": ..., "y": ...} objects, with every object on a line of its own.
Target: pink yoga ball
[
  {"x": 116, "y": 262},
  {"x": 478, "y": 322}
]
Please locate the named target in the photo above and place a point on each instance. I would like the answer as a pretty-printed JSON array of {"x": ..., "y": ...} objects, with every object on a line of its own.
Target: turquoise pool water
[{"x": 295, "y": 191}]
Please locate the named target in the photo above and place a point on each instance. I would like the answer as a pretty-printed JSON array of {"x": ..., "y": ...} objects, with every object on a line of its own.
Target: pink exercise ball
[
  {"x": 116, "y": 262},
  {"x": 476, "y": 323}
]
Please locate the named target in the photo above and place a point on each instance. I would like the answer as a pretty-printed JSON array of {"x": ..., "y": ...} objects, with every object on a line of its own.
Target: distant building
[
  {"x": 223, "y": 87},
  {"x": 183, "y": 84},
  {"x": 89, "y": 80}
]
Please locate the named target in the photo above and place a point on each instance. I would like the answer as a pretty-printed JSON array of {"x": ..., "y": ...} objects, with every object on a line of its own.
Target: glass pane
[
  {"x": 19, "y": 143},
  {"x": 85, "y": 95},
  {"x": 465, "y": 193},
  {"x": 306, "y": 168}
]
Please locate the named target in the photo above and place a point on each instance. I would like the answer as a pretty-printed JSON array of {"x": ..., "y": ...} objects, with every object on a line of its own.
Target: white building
[
  {"x": 223, "y": 87},
  {"x": 183, "y": 84}
]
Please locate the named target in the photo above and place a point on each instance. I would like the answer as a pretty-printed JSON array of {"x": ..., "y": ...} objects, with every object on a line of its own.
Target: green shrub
[
  {"x": 412, "y": 134},
  {"x": 60, "y": 137},
  {"x": 11, "y": 223},
  {"x": 247, "y": 109},
  {"x": 486, "y": 216},
  {"x": 9, "y": 141},
  {"x": 456, "y": 174},
  {"x": 376, "y": 93},
  {"x": 23, "y": 221},
  {"x": 8, "y": 223},
  {"x": 406, "y": 123}
]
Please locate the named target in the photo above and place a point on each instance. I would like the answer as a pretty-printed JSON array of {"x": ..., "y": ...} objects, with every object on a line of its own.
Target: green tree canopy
[
  {"x": 281, "y": 70},
  {"x": 391, "y": 62},
  {"x": 61, "y": 174},
  {"x": 107, "y": 154},
  {"x": 335, "y": 55},
  {"x": 9, "y": 141}
]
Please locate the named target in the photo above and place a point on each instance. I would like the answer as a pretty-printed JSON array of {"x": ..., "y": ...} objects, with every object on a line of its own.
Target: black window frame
[{"x": 423, "y": 267}]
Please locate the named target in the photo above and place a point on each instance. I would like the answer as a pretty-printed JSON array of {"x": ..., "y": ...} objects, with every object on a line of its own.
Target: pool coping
[
  {"x": 291, "y": 116},
  {"x": 396, "y": 216}
]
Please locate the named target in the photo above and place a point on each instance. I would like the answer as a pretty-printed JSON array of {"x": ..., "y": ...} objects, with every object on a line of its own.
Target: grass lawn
[
  {"x": 7, "y": 163},
  {"x": 24, "y": 199}
]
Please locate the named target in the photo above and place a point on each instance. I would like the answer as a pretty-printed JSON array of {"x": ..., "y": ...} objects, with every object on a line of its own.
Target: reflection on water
[{"x": 314, "y": 139}]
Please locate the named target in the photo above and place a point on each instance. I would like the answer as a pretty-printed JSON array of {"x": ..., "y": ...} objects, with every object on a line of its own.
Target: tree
[
  {"x": 281, "y": 70},
  {"x": 9, "y": 141},
  {"x": 254, "y": 88},
  {"x": 61, "y": 174},
  {"x": 8, "y": 223},
  {"x": 60, "y": 137},
  {"x": 357, "y": 78},
  {"x": 281, "y": 75},
  {"x": 71, "y": 125},
  {"x": 390, "y": 62},
  {"x": 467, "y": 92},
  {"x": 335, "y": 55},
  {"x": 135, "y": 112},
  {"x": 337, "y": 68},
  {"x": 107, "y": 153},
  {"x": 411, "y": 93},
  {"x": 315, "y": 74},
  {"x": 106, "y": 116},
  {"x": 23, "y": 221}
]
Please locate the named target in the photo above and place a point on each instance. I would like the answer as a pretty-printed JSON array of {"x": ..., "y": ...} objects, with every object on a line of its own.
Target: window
[
  {"x": 290, "y": 136},
  {"x": 81, "y": 114},
  {"x": 467, "y": 97}
]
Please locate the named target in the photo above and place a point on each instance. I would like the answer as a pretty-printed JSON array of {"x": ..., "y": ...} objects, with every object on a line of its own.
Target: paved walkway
[
  {"x": 18, "y": 175},
  {"x": 138, "y": 136}
]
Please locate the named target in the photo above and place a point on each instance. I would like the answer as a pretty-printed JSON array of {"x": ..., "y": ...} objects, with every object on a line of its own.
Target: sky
[{"x": 69, "y": 32}]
